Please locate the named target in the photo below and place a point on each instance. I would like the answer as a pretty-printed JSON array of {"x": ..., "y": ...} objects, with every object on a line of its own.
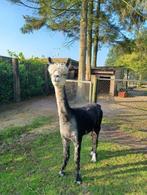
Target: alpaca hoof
[
  {"x": 61, "y": 173},
  {"x": 93, "y": 160},
  {"x": 78, "y": 180}
]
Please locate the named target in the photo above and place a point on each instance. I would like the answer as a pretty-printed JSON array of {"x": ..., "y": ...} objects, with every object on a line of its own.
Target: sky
[{"x": 41, "y": 43}]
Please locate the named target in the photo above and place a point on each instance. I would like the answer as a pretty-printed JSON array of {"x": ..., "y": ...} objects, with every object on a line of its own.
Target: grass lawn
[
  {"x": 136, "y": 128},
  {"x": 32, "y": 167}
]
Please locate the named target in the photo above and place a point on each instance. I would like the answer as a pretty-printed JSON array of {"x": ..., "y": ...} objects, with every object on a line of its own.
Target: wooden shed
[{"x": 106, "y": 79}]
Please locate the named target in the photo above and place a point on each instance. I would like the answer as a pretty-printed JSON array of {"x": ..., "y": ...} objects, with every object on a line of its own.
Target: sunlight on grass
[
  {"x": 106, "y": 120},
  {"x": 135, "y": 132},
  {"x": 11, "y": 133},
  {"x": 33, "y": 168},
  {"x": 133, "y": 127}
]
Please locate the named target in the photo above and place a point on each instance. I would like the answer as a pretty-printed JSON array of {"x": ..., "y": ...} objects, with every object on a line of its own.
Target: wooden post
[
  {"x": 16, "y": 80},
  {"x": 46, "y": 76},
  {"x": 94, "y": 91},
  {"x": 90, "y": 92},
  {"x": 113, "y": 88}
]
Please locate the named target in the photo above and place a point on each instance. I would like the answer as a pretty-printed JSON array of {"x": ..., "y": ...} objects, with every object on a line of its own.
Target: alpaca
[{"x": 74, "y": 122}]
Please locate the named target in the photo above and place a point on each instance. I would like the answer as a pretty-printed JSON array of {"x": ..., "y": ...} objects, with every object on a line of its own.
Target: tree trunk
[
  {"x": 89, "y": 40},
  {"x": 83, "y": 40},
  {"x": 94, "y": 90},
  {"x": 96, "y": 34}
]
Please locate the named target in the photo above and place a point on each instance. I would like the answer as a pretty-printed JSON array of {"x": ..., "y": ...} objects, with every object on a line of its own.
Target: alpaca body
[
  {"x": 87, "y": 118},
  {"x": 74, "y": 122}
]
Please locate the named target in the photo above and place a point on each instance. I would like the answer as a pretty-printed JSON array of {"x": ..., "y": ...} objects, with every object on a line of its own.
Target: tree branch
[{"x": 28, "y": 6}]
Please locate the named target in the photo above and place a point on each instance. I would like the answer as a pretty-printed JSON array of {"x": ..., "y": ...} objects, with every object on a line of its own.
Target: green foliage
[
  {"x": 113, "y": 19},
  {"x": 6, "y": 80},
  {"x": 135, "y": 62},
  {"x": 126, "y": 46},
  {"x": 132, "y": 55},
  {"x": 9, "y": 134},
  {"x": 59, "y": 15},
  {"x": 32, "y": 79},
  {"x": 13, "y": 54}
]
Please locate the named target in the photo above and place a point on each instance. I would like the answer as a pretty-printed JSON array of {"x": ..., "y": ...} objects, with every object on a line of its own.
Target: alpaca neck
[{"x": 62, "y": 104}]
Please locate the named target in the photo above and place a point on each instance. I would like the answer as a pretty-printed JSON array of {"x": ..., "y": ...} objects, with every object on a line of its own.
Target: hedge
[{"x": 32, "y": 79}]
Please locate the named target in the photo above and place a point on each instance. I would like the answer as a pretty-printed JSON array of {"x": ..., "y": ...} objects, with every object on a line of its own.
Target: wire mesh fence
[
  {"x": 78, "y": 92},
  {"x": 121, "y": 88},
  {"x": 107, "y": 89}
]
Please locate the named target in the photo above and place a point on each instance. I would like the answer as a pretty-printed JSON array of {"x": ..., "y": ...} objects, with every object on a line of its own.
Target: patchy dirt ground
[
  {"x": 129, "y": 111},
  {"x": 23, "y": 113},
  {"x": 127, "y": 119}
]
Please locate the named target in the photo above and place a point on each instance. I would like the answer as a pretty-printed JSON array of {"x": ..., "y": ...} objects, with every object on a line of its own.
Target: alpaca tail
[{"x": 100, "y": 114}]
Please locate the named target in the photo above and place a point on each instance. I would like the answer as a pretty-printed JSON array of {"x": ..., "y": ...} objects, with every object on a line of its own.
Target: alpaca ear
[
  {"x": 50, "y": 60},
  {"x": 68, "y": 63}
]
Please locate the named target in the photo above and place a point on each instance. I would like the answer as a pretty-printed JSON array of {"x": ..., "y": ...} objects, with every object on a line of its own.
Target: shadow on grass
[
  {"x": 132, "y": 107},
  {"x": 118, "y": 172},
  {"x": 120, "y": 153},
  {"x": 33, "y": 168},
  {"x": 104, "y": 155}
]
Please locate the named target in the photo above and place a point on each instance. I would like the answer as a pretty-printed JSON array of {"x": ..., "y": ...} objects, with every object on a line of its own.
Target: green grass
[
  {"x": 32, "y": 168},
  {"x": 106, "y": 120},
  {"x": 11, "y": 133},
  {"x": 133, "y": 131},
  {"x": 134, "y": 128}
]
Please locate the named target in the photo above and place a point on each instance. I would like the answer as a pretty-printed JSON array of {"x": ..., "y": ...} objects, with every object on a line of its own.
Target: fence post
[
  {"x": 16, "y": 80},
  {"x": 46, "y": 76},
  {"x": 90, "y": 92},
  {"x": 94, "y": 91}
]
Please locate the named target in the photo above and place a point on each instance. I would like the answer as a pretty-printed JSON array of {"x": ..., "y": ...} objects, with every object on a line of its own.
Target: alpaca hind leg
[
  {"x": 94, "y": 146},
  {"x": 66, "y": 156}
]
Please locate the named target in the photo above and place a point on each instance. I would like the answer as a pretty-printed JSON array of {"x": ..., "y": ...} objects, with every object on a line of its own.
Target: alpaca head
[{"x": 58, "y": 73}]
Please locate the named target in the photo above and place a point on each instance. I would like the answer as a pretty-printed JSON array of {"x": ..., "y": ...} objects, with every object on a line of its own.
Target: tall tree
[
  {"x": 89, "y": 40},
  {"x": 83, "y": 40},
  {"x": 96, "y": 33}
]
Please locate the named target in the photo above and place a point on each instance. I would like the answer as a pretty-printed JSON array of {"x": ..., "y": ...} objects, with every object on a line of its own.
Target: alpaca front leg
[
  {"x": 77, "y": 161},
  {"x": 66, "y": 156}
]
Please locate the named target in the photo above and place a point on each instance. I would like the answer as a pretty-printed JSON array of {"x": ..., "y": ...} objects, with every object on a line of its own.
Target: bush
[
  {"x": 6, "y": 82},
  {"x": 32, "y": 79}
]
